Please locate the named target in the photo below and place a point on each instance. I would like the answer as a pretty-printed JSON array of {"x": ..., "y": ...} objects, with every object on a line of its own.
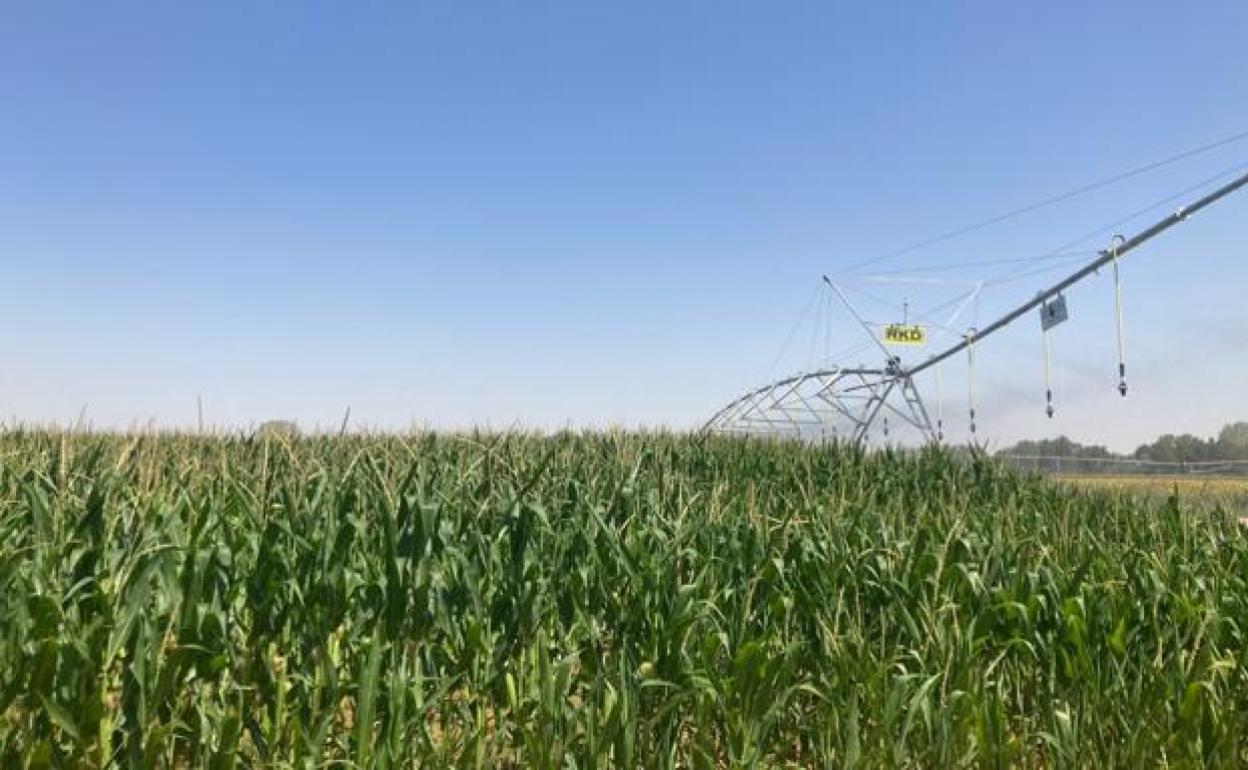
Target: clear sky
[{"x": 550, "y": 214}]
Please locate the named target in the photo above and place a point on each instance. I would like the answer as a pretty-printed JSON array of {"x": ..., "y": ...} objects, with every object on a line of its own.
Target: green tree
[
  {"x": 1233, "y": 441},
  {"x": 1184, "y": 448},
  {"x": 1057, "y": 447}
]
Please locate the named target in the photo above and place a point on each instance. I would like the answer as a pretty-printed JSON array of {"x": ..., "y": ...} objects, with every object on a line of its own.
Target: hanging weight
[
  {"x": 970, "y": 375},
  {"x": 1122, "y": 356}
]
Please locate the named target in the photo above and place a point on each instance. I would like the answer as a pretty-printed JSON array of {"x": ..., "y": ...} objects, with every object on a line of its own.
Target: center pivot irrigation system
[{"x": 844, "y": 403}]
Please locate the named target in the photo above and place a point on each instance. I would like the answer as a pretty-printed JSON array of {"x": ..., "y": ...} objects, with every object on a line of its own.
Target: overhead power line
[
  {"x": 1059, "y": 258},
  {"x": 1011, "y": 275},
  {"x": 1106, "y": 257},
  {"x": 1046, "y": 202},
  {"x": 977, "y": 263}
]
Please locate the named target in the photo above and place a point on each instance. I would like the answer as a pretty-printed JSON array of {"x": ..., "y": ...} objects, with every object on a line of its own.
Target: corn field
[{"x": 601, "y": 601}]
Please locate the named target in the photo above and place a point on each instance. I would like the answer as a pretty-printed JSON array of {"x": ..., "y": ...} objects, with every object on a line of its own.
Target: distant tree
[
  {"x": 282, "y": 428},
  {"x": 1184, "y": 448},
  {"x": 1057, "y": 447},
  {"x": 1162, "y": 450},
  {"x": 1233, "y": 442}
]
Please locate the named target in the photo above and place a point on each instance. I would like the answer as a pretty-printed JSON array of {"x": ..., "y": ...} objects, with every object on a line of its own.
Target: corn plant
[{"x": 601, "y": 601}]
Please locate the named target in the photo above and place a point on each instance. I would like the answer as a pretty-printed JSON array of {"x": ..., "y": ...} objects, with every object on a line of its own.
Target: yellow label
[{"x": 903, "y": 334}]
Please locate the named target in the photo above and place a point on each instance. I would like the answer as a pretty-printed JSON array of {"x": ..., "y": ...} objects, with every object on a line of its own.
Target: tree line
[{"x": 1231, "y": 443}]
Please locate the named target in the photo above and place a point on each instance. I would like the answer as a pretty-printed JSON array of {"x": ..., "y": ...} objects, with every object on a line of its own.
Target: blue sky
[{"x": 552, "y": 214}]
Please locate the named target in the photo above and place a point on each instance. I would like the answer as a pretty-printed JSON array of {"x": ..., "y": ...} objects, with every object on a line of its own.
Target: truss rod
[{"x": 1104, "y": 257}]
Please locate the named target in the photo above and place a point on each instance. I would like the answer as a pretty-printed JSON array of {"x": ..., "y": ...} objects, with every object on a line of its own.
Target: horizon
[
  {"x": 356, "y": 430},
  {"x": 591, "y": 218}
]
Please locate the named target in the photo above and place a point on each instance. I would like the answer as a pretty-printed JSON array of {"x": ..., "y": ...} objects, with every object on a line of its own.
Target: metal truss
[
  {"x": 845, "y": 404},
  {"x": 826, "y": 405}
]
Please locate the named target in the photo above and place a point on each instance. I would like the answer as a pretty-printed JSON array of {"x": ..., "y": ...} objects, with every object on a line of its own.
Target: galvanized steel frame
[{"x": 784, "y": 408}]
